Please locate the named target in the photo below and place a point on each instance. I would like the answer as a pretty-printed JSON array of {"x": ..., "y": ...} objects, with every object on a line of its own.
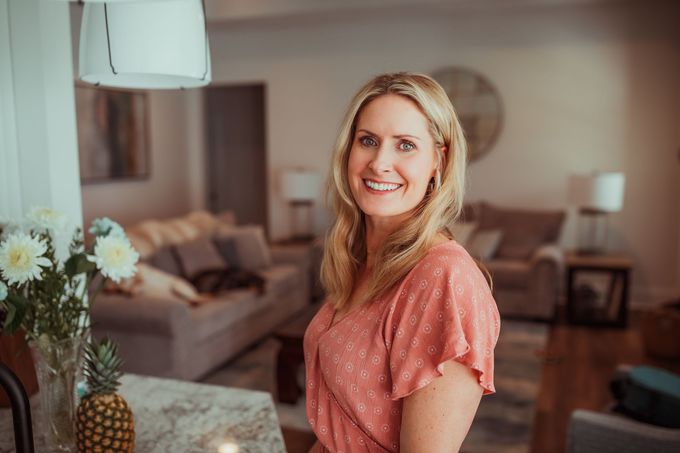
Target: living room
[{"x": 584, "y": 86}]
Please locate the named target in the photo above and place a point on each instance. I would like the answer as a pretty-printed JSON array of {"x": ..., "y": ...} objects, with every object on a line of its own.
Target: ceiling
[{"x": 220, "y": 11}]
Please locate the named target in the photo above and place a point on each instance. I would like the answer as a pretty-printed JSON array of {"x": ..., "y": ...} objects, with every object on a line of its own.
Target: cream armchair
[{"x": 526, "y": 264}]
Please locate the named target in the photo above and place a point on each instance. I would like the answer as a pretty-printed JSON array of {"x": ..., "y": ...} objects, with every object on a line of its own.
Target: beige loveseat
[
  {"x": 164, "y": 328},
  {"x": 519, "y": 248}
]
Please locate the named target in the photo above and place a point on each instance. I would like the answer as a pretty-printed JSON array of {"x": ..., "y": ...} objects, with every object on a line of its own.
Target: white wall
[
  {"x": 583, "y": 88},
  {"x": 166, "y": 192}
]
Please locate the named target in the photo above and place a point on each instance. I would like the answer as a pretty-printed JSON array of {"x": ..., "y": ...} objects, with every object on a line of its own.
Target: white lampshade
[
  {"x": 146, "y": 45},
  {"x": 300, "y": 185},
  {"x": 597, "y": 191}
]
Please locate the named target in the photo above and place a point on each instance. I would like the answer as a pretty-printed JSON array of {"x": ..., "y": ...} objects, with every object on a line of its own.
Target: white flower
[
  {"x": 106, "y": 227},
  {"x": 3, "y": 291},
  {"x": 47, "y": 218},
  {"x": 21, "y": 257},
  {"x": 114, "y": 257}
]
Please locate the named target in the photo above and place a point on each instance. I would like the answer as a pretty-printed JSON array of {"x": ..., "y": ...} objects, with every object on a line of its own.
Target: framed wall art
[{"x": 112, "y": 134}]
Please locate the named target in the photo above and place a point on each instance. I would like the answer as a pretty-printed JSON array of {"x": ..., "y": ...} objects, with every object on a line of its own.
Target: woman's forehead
[{"x": 393, "y": 114}]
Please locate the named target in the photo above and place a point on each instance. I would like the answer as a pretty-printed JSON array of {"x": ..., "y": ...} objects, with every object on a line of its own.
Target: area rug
[{"x": 504, "y": 419}]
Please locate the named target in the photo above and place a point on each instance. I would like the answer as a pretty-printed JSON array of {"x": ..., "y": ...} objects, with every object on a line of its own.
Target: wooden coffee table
[{"x": 291, "y": 355}]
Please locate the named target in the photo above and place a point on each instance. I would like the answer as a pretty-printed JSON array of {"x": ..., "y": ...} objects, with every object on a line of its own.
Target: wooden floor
[{"x": 579, "y": 363}]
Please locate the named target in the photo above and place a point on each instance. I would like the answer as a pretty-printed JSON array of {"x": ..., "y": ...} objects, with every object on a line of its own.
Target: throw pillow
[
  {"x": 463, "y": 231},
  {"x": 198, "y": 256},
  {"x": 523, "y": 230},
  {"x": 152, "y": 230},
  {"x": 484, "y": 244},
  {"x": 227, "y": 247},
  {"x": 251, "y": 246},
  {"x": 203, "y": 220},
  {"x": 140, "y": 243},
  {"x": 180, "y": 230},
  {"x": 165, "y": 260}
]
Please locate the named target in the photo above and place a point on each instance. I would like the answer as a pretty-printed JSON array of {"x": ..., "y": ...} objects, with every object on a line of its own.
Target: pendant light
[{"x": 145, "y": 44}]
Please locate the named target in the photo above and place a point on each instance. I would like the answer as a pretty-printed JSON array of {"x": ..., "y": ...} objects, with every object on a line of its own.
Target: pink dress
[{"x": 359, "y": 370}]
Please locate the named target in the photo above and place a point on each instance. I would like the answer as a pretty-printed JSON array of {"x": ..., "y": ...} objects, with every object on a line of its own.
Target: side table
[
  {"x": 291, "y": 354},
  {"x": 598, "y": 289},
  {"x": 311, "y": 252}
]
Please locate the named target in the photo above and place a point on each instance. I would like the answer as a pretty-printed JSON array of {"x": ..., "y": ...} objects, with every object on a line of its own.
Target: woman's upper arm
[{"x": 438, "y": 416}]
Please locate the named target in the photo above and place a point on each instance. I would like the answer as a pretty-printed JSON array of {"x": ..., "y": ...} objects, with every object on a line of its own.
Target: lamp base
[
  {"x": 592, "y": 238},
  {"x": 302, "y": 229}
]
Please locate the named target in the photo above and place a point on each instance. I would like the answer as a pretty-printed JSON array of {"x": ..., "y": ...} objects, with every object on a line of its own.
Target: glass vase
[{"x": 58, "y": 368}]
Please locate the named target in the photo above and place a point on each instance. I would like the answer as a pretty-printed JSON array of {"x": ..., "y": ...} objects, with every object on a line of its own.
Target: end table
[{"x": 598, "y": 289}]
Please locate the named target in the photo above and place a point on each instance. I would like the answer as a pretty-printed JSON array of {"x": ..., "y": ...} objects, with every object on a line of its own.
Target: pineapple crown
[{"x": 102, "y": 367}]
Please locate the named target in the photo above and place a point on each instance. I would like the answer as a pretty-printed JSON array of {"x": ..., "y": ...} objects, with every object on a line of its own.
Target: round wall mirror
[{"x": 478, "y": 106}]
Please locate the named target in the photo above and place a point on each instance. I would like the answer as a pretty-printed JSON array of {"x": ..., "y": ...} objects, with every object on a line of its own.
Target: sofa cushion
[
  {"x": 251, "y": 245},
  {"x": 198, "y": 256},
  {"x": 224, "y": 311},
  {"x": 509, "y": 273},
  {"x": 523, "y": 230}
]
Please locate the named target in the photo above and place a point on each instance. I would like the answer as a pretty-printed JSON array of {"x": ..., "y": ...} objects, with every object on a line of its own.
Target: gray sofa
[
  {"x": 527, "y": 266},
  {"x": 168, "y": 337}
]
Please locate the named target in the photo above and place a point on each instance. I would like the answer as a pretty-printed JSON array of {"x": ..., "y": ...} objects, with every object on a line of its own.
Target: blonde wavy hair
[{"x": 345, "y": 245}]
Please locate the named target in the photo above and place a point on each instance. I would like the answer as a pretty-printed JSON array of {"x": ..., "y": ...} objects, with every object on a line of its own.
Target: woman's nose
[{"x": 382, "y": 161}]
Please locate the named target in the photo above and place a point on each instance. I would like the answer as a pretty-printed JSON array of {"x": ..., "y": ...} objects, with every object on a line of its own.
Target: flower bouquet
[{"x": 48, "y": 284}]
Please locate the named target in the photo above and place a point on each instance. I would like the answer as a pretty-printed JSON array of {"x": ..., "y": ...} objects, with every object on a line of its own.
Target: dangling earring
[{"x": 435, "y": 182}]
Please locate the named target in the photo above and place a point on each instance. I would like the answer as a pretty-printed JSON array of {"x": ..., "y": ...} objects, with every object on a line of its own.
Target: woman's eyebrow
[{"x": 395, "y": 136}]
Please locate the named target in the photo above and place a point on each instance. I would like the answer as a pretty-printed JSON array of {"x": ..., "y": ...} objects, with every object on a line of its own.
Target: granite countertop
[{"x": 186, "y": 417}]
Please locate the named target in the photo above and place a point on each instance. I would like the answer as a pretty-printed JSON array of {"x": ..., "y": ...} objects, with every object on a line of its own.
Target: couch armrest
[
  {"x": 597, "y": 432},
  {"x": 160, "y": 316},
  {"x": 548, "y": 252},
  {"x": 545, "y": 279}
]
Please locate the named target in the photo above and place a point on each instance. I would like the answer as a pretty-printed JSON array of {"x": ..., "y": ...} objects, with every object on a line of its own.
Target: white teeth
[{"x": 381, "y": 186}]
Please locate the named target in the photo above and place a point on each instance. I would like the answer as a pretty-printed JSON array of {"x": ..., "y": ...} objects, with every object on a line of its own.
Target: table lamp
[
  {"x": 597, "y": 195},
  {"x": 300, "y": 188}
]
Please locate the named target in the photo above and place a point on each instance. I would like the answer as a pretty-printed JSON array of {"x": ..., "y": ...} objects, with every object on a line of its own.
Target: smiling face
[{"x": 392, "y": 159}]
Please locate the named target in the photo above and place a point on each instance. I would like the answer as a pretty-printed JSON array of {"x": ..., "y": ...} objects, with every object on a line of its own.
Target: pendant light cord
[
  {"x": 205, "y": 24},
  {"x": 108, "y": 39}
]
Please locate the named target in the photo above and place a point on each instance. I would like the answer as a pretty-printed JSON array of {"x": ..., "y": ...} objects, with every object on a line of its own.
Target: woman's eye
[
  {"x": 407, "y": 146},
  {"x": 367, "y": 141}
]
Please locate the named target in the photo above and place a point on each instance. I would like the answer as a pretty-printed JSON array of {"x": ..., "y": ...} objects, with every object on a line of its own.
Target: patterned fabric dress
[{"x": 360, "y": 368}]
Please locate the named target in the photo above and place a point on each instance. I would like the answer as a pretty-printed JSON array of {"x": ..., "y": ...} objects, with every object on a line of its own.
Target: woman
[{"x": 398, "y": 357}]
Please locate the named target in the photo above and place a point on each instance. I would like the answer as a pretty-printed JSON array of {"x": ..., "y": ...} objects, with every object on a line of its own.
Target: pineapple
[{"x": 104, "y": 422}]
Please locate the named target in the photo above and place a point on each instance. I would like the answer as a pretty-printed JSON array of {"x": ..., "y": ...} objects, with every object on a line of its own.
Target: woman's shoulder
[
  {"x": 446, "y": 261},
  {"x": 445, "y": 251}
]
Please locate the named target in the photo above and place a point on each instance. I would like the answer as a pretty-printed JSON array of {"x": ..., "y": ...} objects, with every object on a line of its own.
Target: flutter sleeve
[{"x": 444, "y": 311}]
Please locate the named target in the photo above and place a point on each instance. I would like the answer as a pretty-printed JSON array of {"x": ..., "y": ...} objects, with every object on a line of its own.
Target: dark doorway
[{"x": 237, "y": 170}]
